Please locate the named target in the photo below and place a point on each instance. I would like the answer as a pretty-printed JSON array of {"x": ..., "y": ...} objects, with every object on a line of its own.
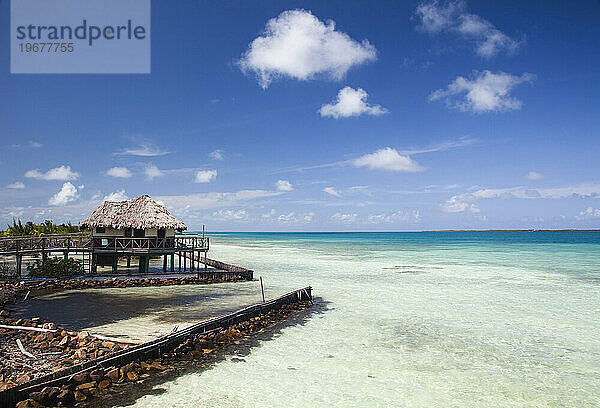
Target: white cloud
[
  {"x": 344, "y": 218},
  {"x": 331, "y": 191},
  {"x": 297, "y": 44},
  {"x": 200, "y": 201},
  {"x": 455, "y": 204},
  {"x": 463, "y": 202},
  {"x": 309, "y": 217},
  {"x": 351, "y": 102},
  {"x": 534, "y": 175},
  {"x": 143, "y": 150},
  {"x": 151, "y": 172},
  {"x": 287, "y": 218},
  {"x": 436, "y": 17},
  {"x": 16, "y": 185},
  {"x": 116, "y": 196},
  {"x": 120, "y": 172},
  {"x": 34, "y": 144},
  {"x": 230, "y": 215},
  {"x": 62, "y": 173},
  {"x": 388, "y": 159},
  {"x": 395, "y": 217},
  {"x": 216, "y": 154},
  {"x": 588, "y": 213},
  {"x": 484, "y": 92},
  {"x": 67, "y": 193},
  {"x": 284, "y": 185},
  {"x": 205, "y": 176}
]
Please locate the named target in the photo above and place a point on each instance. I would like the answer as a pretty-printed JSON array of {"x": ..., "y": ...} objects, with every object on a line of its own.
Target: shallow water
[{"x": 414, "y": 319}]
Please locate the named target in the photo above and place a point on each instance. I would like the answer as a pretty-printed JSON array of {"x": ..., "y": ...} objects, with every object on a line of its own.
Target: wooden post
[
  {"x": 164, "y": 263},
  {"x": 94, "y": 263},
  {"x": 141, "y": 264},
  {"x": 19, "y": 264},
  {"x": 66, "y": 255},
  {"x": 205, "y": 263},
  {"x": 115, "y": 263},
  {"x": 262, "y": 289},
  {"x": 147, "y": 264},
  {"x": 173, "y": 262},
  {"x": 184, "y": 261},
  {"x": 129, "y": 261},
  {"x": 179, "y": 258}
]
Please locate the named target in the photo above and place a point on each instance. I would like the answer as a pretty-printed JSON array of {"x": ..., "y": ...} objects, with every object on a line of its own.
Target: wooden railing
[{"x": 85, "y": 242}]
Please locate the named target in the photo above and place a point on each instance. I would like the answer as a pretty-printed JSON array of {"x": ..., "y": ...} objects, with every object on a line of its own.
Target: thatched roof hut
[{"x": 139, "y": 213}]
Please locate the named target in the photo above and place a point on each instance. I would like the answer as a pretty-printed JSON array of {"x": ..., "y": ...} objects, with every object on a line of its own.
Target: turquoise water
[{"x": 457, "y": 319}]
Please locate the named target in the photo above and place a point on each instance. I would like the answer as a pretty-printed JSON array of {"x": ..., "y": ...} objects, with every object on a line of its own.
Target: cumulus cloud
[
  {"x": 34, "y": 144},
  {"x": 588, "y": 214},
  {"x": 395, "y": 217},
  {"x": 298, "y": 45},
  {"x": 284, "y": 185},
  {"x": 67, "y": 193},
  {"x": 205, "y": 176},
  {"x": 119, "y": 172},
  {"x": 351, "y": 102},
  {"x": 436, "y": 17},
  {"x": 116, "y": 196},
  {"x": 388, "y": 159},
  {"x": 465, "y": 201},
  {"x": 287, "y": 218},
  {"x": 230, "y": 215},
  {"x": 152, "y": 172},
  {"x": 216, "y": 154},
  {"x": 534, "y": 175},
  {"x": 61, "y": 173},
  {"x": 332, "y": 191},
  {"x": 143, "y": 150},
  {"x": 16, "y": 185},
  {"x": 344, "y": 218},
  {"x": 483, "y": 92}
]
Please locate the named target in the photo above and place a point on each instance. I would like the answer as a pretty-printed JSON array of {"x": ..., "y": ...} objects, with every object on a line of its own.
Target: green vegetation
[
  {"x": 45, "y": 228},
  {"x": 55, "y": 268}
]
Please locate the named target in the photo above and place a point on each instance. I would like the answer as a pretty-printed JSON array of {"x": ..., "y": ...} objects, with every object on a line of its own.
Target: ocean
[{"x": 431, "y": 319}]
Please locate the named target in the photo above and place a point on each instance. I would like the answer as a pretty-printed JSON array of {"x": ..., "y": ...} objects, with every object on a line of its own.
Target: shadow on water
[
  {"x": 128, "y": 393},
  {"x": 77, "y": 310}
]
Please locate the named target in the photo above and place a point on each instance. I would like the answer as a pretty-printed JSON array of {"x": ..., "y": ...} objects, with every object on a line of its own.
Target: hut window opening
[
  {"x": 100, "y": 230},
  {"x": 139, "y": 233},
  {"x": 160, "y": 233},
  {"x": 128, "y": 232}
]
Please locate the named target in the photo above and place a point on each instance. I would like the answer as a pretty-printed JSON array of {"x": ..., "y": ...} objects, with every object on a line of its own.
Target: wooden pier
[{"x": 101, "y": 250}]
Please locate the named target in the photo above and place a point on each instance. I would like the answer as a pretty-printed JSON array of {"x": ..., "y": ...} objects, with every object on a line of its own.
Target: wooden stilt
[
  {"x": 19, "y": 265},
  {"x": 129, "y": 261},
  {"x": 164, "y": 263},
  {"x": 94, "y": 263},
  {"x": 205, "y": 264},
  {"x": 185, "y": 261},
  {"x": 115, "y": 263},
  {"x": 172, "y": 262},
  {"x": 147, "y": 263},
  {"x": 179, "y": 258},
  {"x": 66, "y": 255},
  {"x": 141, "y": 263}
]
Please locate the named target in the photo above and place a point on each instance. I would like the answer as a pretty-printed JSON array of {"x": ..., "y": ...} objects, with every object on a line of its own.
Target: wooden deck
[{"x": 96, "y": 250}]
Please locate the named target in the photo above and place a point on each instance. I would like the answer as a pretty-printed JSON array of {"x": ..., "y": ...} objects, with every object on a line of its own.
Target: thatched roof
[{"x": 141, "y": 212}]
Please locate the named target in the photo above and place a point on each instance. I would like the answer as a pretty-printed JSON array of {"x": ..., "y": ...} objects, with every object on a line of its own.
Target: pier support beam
[
  {"x": 164, "y": 263},
  {"x": 19, "y": 265},
  {"x": 179, "y": 258},
  {"x": 172, "y": 262},
  {"x": 129, "y": 261},
  {"x": 141, "y": 264},
  {"x": 115, "y": 263}
]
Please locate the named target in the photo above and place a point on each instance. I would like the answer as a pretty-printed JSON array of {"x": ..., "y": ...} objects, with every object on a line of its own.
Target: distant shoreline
[{"x": 415, "y": 232}]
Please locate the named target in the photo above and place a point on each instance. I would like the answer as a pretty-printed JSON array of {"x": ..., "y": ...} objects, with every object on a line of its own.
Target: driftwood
[
  {"x": 28, "y": 354},
  {"x": 37, "y": 329}
]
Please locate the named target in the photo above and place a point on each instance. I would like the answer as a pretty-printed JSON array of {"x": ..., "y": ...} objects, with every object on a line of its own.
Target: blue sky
[{"x": 404, "y": 116}]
